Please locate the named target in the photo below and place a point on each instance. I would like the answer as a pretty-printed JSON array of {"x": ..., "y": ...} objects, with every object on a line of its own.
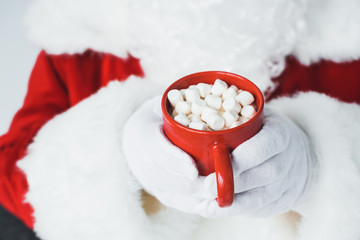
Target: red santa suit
[{"x": 73, "y": 181}]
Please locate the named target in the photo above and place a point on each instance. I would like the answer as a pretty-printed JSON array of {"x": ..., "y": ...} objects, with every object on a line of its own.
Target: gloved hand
[
  {"x": 163, "y": 169},
  {"x": 272, "y": 170}
]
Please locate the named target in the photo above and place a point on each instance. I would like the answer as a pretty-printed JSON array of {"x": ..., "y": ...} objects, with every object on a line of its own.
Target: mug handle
[{"x": 224, "y": 174}]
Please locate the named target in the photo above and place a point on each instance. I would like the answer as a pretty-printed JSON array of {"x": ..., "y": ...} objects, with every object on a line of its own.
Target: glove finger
[
  {"x": 278, "y": 206},
  {"x": 177, "y": 160},
  {"x": 159, "y": 179},
  {"x": 266, "y": 173},
  {"x": 272, "y": 139},
  {"x": 155, "y": 178},
  {"x": 210, "y": 187},
  {"x": 144, "y": 137},
  {"x": 180, "y": 202},
  {"x": 244, "y": 203}
]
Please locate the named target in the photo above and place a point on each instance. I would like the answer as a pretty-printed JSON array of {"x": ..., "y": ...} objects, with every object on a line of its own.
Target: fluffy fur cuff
[
  {"x": 332, "y": 210},
  {"x": 79, "y": 182}
]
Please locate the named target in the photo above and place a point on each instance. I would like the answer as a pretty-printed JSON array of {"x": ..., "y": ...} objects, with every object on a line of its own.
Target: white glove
[
  {"x": 163, "y": 169},
  {"x": 271, "y": 170}
]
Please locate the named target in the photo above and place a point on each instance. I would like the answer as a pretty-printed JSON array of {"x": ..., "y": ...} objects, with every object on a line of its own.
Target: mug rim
[{"x": 215, "y": 132}]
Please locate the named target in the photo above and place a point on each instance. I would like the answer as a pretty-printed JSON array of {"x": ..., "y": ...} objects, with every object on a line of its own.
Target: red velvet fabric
[
  {"x": 338, "y": 80},
  {"x": 58, "y": 82}
]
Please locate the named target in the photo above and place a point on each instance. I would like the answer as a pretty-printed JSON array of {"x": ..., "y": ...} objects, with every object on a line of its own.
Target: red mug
[{"x": 211, "y": 149}]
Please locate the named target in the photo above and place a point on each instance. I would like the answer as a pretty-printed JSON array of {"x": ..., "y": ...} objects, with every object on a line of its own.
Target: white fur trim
[
  {"x": 332, "y": 210},
  {"x": 73, "y": 26},
  {"x": 79, "y": 183},
  {"x": 331, "y": 32},
  {"x": 175, "y": 38}
]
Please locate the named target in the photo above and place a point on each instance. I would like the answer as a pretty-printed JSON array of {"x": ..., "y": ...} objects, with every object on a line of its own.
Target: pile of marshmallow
[{"x": 211, "y": 107}]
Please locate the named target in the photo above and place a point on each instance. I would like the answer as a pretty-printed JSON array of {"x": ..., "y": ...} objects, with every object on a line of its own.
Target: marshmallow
[
  {"x": 215, "y": 121},
  {"x": 183, "y": 92},
  {"x": 194, "y": 118},
  {"x": 183, "y": 107},
  {"x": 207, "y": 111},
  {"x": 174, "y": 97},
  {"x": 197, "y": 107},
  {"x": 219, "y": 87},
  {"x": 213, "y": 101},
  {"x": 245, "y": 98},
  {"x": 229, "y": 93},
  {"x": 230, "y": 117},
  {"x": 235, "y": 124},
  {"x": 230, "y": 104},
  {"x": 248, "y": 111},
  {"x": 182, "y": 119},
  {"x": 234, "y": 87},
  {"x": 205, "y": 89},
  {"x": 198, "y": 126},
  {"x": 211, "y": 107},
  {"x": 192, "y": 94},
  {"x": 243, "y": 119}
]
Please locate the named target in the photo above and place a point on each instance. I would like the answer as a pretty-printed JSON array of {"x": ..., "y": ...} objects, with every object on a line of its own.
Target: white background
[{"x": 17, "y": 57}]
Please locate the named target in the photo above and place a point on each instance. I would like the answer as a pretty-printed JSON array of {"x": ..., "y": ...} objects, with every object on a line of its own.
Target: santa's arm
[
  {"x": 46, "y": 97},
  {"x": 333, "y": 201},
  {"x": 79, "y": 182},
  {"x": 57, "y": 83}
]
